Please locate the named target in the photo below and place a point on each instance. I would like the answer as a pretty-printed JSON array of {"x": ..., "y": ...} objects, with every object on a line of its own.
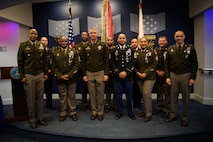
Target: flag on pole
[
  {"x": 70, "y": 28},
  {"x": 140, "y": 21},
  {"x": 106, "y": 22}
]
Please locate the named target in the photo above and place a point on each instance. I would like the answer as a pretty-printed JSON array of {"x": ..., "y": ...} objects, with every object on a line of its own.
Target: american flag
[{"x": 70, "y": 30}]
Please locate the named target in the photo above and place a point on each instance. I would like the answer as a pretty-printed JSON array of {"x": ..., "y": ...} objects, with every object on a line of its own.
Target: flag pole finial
[
  {"x": 69, "y": 3},
  {"x": 69, "y": 9}
]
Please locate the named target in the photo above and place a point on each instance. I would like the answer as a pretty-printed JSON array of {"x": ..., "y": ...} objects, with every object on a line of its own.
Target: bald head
[
  {"x": 179, "y": 37},
  {"x": 64, "y": 42}
]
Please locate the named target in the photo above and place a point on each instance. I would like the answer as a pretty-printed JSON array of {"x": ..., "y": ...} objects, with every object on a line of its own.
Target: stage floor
[{"x": 201, "y": 117}]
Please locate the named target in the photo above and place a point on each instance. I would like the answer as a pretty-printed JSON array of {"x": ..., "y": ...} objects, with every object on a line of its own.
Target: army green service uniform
[
  {"x": 146, "y": 63},
  {"x": 181, "y": 66},
  {"x": 48, "y": 84},
  {"x": 163, "y": 97},
  {"x": 62, "y": 64},
  {"x": 136, "y": 96},
  {"x": 110, "y": 88},
  {"x": 33, "y": 64},
  {"x": 83, "y": 85},
  {"x": 95, "y": 65}
]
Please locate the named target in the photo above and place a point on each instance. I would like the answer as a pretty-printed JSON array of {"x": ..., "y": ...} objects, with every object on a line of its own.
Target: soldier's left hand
[
  {"x": 105, "y": 78},
  {"x": 191, "y": 82},
  {"x": 160, "y": 73},
  {"x": 122, "y": 74},
  {"x": 45, "y": 77}
]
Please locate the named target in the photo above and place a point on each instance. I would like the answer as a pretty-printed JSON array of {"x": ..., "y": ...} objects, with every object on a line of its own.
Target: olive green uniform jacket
[
  {"x": 32, "y": 59},
  {"x": 80, "y": 48},
  {"x": 147, "y": 62},
  {"x": 95, "y": 57},
  {"x": 182, "y": 60},
  {"x": 65, "y": 64}
]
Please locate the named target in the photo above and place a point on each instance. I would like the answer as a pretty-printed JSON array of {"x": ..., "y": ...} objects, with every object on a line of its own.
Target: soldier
[
  {"x": 181, "y": 69},
  {"x": 48, "y": 84},
  {"x": 33, "y": 70},
  {"x": 146, "y": 76},
  {"x": 95, "y": 63},
  {"x": 123, "y": 62},
  {"x": 83, "y": 85},
  {"x": 163, "y": 97},
  {"x": 109, "y": 86},
  {"x": 137, "y": 97},
  {"x": 65, "y": 64},
  {"x": 56, "y": 46},
  {"x": 57, "y": 41}
]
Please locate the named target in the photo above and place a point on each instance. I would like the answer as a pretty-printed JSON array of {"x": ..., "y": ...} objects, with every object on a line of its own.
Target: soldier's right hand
[
  {"x": 64, "y": 77},
  {"x": 24, "y": 80},
  {"x": 168, "y": 81},
  {"x": 85, "y": 78}
]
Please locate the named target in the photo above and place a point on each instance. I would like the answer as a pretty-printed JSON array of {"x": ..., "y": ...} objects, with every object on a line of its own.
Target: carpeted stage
[{"x": 200, "y": 126}]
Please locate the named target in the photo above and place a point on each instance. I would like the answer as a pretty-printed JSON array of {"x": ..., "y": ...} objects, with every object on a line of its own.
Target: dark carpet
[{"x": 200, "y": 127}]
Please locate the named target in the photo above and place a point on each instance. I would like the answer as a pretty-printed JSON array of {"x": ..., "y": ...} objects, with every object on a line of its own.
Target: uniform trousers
[
  {"x": 83, "y": 88},
  {"x": 48, "y": 87},
  {"x": 137, "y": 97},
  {"x": 180, "y": 83},
  {"x": 34, "y": 90},
  {"x": 126, "y": 87},
  {"x": 163, "y": 97},
  {"x": 67, "y": 91},
  {"x": 146, "y": 87},
  {"x": 110, "y": 90},
  {"x": 96, "y": 87}
]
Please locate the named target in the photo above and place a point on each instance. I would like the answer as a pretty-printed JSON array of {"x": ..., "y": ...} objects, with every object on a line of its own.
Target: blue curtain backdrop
[{"x": 176, "y": 16}]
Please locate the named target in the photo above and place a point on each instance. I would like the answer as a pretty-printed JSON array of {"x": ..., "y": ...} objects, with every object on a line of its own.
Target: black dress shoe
[
  {"x": 33, "y": 124},
  {"x": 169, "y": 119},
  {"x": 184, "y": 123},
  {"x": 132, "y": 116},
  {"x": 93, "y": 116},
  {"x": 147, "y": 118},
  {"x": 62, "y": 118},
  {"x": 42, "y": 122},
  {"x": 118, "y": 116}
]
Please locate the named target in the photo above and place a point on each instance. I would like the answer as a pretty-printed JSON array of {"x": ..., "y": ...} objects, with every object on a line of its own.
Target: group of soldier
[{"x": 103, "y": 68}]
